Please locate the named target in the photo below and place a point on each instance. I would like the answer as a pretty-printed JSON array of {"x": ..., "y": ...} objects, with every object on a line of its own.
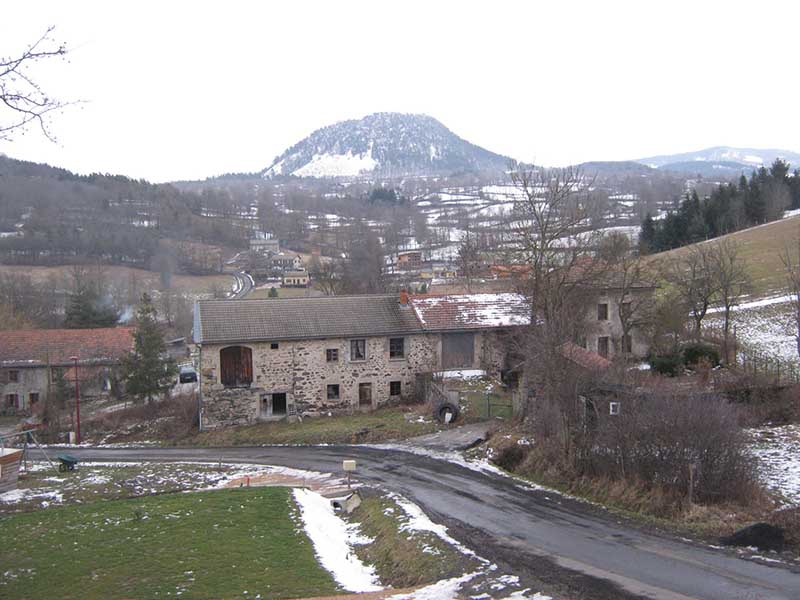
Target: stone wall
[{"x": 300, "y": 370}]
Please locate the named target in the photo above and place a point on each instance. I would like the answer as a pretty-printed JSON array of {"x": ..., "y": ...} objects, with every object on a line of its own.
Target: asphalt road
[
  {"x": 576, "y": 550},
  {"x": 245, "y": 285}
]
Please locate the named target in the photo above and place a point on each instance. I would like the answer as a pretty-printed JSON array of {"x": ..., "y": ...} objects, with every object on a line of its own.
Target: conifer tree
[
  {"x": 148, "y": 372},
  {"x": 85, "y": 311}
]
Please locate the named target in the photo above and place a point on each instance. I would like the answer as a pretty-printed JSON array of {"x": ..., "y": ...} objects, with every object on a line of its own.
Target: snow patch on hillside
[{"x": 337, "y": 165}]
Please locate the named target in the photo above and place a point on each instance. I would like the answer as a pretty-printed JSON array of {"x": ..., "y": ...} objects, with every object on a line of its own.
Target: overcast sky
[{"x": 185, "y": 90}]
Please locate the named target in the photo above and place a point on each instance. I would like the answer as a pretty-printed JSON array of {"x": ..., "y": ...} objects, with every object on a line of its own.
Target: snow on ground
[
  {"x": 778, "y": 452},
  {"x": 463, "y": 374},
  {"x": 337, "y": 165},
  {"x": 333, "y": 541},
  {"x": 765, "y": 326}
]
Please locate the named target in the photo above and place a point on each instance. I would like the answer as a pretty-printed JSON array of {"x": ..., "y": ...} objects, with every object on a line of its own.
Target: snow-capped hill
[
  {"x": 725, "y": 155},
  {"x": 384, "y": 145}
]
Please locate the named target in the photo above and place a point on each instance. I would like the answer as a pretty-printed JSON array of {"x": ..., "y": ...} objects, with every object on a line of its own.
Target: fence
[{"x": 747, "y": 360}]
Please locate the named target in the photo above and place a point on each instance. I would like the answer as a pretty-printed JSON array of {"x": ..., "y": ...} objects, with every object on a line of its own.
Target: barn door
[{"x": 458, "y": 350}]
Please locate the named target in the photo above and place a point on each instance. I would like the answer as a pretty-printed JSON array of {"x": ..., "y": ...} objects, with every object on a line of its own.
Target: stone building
[
  {"x": 266, "y": 359},
  {"x": 32, "y": 361}
]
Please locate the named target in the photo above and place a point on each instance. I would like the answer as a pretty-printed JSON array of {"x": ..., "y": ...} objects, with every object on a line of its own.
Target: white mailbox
[{"x": 349, "y": 465}]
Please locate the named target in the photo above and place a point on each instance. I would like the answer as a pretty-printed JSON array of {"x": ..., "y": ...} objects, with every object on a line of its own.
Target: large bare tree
[
  {"x": 732, "y": 282},
  {"x": 22, "y": 101},
  {"x": 692, "y": 276}
]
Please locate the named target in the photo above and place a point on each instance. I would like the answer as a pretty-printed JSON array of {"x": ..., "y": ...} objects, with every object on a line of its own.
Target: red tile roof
[
  {"x": 471, "y": 311},
  {"x": 39, "y": 346},
  {"x": 591, "y": 361}
]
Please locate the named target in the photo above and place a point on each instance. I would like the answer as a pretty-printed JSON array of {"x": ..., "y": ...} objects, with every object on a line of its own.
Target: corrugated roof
[
  {"x": 471, "y": 311},
  {"x": 37, "y": 347},
  {"x": 218, "y": 321}
]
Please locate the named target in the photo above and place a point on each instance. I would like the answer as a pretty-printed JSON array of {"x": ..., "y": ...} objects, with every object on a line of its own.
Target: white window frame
[{"x": 614, "y": 408}]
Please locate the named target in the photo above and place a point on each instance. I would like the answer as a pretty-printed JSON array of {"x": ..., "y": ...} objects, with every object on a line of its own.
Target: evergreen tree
[
  {"x": 647, "y": 236},
  {"x": 148, "y": 372},
  {"x": 273, "y": 293},
  {"x": 85, "y": 311}
]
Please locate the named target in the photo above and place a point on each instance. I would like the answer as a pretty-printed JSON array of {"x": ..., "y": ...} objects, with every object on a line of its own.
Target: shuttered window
[{"x": 236, "y": 366}]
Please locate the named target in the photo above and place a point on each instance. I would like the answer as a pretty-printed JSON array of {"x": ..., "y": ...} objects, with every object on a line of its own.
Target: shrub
[
  {"x": 667, "y": 364},
  {"x": 509, "y": 456},
  {"x": 694, "y": 353}
]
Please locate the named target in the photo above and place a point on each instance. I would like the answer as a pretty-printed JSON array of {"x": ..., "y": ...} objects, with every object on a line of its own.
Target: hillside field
[{"x": 761, "y": 248}]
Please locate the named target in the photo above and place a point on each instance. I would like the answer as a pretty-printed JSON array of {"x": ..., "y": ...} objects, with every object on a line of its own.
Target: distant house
[
  {"x": 295, "y": 278},
  {"x": 265, "y": 246},
  {"x": 409, "y": 260},
  {"x": 266, "y": 359},
  {"x": 31, "y": 361},
  {"x": 286, "y": 261}
]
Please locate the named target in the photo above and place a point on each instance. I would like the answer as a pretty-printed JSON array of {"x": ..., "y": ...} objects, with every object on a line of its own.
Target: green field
[
  {"x": 761, "y": 248},
  {"x": 369, "y": 427},
  {"x": 242, "y": 543}
]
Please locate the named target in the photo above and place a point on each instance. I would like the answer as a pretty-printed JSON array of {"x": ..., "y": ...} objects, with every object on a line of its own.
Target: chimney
[{"x": 403, "y": 298}]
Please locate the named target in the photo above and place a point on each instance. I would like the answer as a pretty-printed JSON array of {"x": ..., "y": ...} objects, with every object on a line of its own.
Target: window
[
  {"x": 365, "y": 394},
  {"x": 627, "y": 344},
  {"x": 582, "y": 342},
  {"x": 602, "y": 346},
  {"x": 273, "y": 346},
  {"x": 333, "y": 391},
  {"x": 57, "y": 373},
  {"x": 602, "y": 312},
  {"x": 332, "y": 355},
  {"x": 395, "y": 388},
  {"x": 625, "y": 309},
  {"x": 358, "y": 349},
  {"x": 397, "y": 347},
  {"x": 33, "y": 398},
  {"x": 13, "y": 376},
  {"x": 614, "y": 408},
  {"x": 12, "y": 401},
  {"x": 236, "y": 366}
]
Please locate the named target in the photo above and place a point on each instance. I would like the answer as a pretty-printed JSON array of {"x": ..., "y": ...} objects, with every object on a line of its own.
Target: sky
[{"x": 187, "y": 90}]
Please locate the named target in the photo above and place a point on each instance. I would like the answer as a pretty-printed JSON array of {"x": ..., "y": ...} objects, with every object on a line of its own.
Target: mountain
[
  {"x": 608, "y": 167},
  {"x": 723, "y": 169},
  {"x": 387, "y": 145},
  {"x": 725, "y": 155}
]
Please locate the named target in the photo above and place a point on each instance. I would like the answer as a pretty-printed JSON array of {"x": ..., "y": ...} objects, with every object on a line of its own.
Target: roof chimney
[{"x": 403, "y": 298}]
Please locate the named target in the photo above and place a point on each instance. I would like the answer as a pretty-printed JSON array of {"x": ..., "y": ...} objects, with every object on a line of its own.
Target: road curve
[
  {"x": 245, "y": 285},
  {"x": 530, "y": 532}
]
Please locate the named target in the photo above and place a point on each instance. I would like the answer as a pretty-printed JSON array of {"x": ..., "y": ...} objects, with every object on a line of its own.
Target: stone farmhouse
[{"x": 32, "y": 361}]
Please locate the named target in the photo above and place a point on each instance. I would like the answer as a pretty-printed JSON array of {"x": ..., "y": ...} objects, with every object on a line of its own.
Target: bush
[
  {"x": 667, "y": 364},
  {"x": 694, "y": 354}
]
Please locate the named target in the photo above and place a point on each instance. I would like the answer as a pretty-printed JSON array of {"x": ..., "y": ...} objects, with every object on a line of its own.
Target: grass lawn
[
  {"x": 287, "y": 292},
  {"x": 372, "y": 427},
  {"x": 242, "y": 543},
  {"x": 761, "y": 248}
]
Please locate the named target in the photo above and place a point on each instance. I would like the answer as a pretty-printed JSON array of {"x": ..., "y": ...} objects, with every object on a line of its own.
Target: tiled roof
[
  {"x": 591, "y": 361},
  {"x": 39, "y": 346},
  {"x": 471, "y": 311},
  {"x": 218, "y": 321}
]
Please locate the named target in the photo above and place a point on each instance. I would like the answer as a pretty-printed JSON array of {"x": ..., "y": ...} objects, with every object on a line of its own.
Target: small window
[
  {"x": 365, "y": 394},
  {"x": 395, "y": 388},
  {"x": 602, "y": 312},
  {"x": 13, "y": 376},
  {"x": 12, "y": 401},
  {"x": 625, "y": 309},
  {"x": 397, "y": 347},
  {"x": 602, "y": 346},
  {"x": 279, "y": 403},
  {"x": 627, "y": 344},
  {"x": 273, "y": 346},
  {"x": 332, "y": 355},
  {"x": 582, "y": 342},
  {"x": 33, "y": 398},
  {"x": 57, "y": 373},
  {"x": 614, "y": 408},
  {"x": 358, "y": 349},
  {"x": 333, "y": 391}
]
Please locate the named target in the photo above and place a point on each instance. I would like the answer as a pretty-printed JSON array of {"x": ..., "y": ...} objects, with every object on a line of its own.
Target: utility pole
[{"x": 77, "y": 402}]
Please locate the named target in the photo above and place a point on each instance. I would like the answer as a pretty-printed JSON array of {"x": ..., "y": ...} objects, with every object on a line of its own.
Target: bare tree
[
  {"x": 22, "y": 100},
  {"x": 468, "y": 257},
  {"x": 327, "y": 275},
  {"x": 732, "y": 281},
  {"x": 791, "y": 263},
  {"x": 693, "y": 278}
]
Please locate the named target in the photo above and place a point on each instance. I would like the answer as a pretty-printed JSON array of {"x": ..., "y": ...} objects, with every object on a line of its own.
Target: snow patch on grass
[{"x": 333, "y": 540}]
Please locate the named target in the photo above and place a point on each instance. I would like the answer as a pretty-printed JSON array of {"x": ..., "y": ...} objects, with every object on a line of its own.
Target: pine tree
[
  {"x": 147, "y": 371},
  {"x": 85, "y": 311}
]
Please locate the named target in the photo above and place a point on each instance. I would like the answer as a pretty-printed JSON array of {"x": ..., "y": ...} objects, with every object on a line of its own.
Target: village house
[
  {"x": 269, "y": 359},
  {"x": 32, "y": 362},
  {"x": 286, "y": 261},
  {"x": 295, "y": 278},
  {"x": 264, "y": 245}
]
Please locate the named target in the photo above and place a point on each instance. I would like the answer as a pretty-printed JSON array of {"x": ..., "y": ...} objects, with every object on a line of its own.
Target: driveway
[{"x": 561, "y": 546}]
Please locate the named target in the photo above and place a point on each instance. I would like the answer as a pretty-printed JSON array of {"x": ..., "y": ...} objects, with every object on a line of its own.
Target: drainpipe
[{"x": 200, "y": 388}]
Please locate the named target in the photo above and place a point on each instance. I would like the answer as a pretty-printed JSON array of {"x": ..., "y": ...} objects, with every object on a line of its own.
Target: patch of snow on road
[
  {"x": 777, "y": 450},
  {"x": 333, "y": 540}
]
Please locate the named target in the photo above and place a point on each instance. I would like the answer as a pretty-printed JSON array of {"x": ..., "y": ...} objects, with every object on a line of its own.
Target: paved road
[
  {"x": 245, "y": 285},
  {"x": 568, "y": 545}
]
